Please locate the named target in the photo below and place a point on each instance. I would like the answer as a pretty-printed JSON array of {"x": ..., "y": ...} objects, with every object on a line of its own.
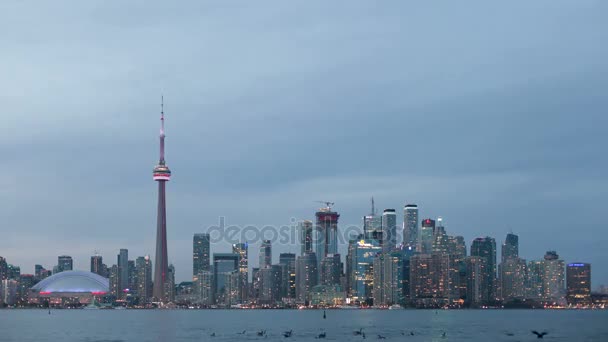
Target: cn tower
[{"x": 162, "y": 174}]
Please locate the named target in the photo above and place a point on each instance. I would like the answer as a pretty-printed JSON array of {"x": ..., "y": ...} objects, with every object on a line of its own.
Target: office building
[
  {"x": 331, "y": 270},
  {"x": 553, "y": 277},
  {"x": 265, "y": 254},
  {"x": 372, "y": 225},
  {"x": 64, "y": 263},
  {"x": 201, "y": 254},
  {"x": 485, "y": 247},
  {"x": 360, "y": 268},
  {"x": 306, "y": 276},
  {"x": 288, "y": 274},
  {"x": 410, "y": 225},
  {"x": 123, "y": 272},
  {"x": 241, "y": 249},
  {"x": 578, "y": 284},
  {"x": 270, "y": 286},
  {"x": 305, "y": 234},
  {"x": 144, "y": 279},
  {"x": 388, "y": 279},
  {"x": 97, "y": 265},
  {"x": 226, "y": 278},
  {"x": 534, "y": 280},
  {"x": 426, "y": 236},
  {"x": 389, "y": 230}
]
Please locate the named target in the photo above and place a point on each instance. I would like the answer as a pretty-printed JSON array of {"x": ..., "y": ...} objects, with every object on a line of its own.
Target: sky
[{"x": 490, "y": 115}]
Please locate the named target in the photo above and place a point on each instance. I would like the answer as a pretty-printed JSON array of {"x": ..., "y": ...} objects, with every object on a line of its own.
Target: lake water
[{"x": 199, "y": 325}]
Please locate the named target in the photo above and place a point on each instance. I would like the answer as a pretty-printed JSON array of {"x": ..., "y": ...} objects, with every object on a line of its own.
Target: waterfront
[{"x": 199, "y": 325}]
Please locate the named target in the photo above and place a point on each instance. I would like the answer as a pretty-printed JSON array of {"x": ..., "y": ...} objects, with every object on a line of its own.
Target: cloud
[{"x": 491, "y": 116}]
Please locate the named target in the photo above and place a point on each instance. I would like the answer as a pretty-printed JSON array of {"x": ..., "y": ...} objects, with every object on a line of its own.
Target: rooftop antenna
[{"x": 373, "y": 207}]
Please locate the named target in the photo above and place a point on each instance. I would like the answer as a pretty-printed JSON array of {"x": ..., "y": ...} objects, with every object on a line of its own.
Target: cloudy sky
[{"x": 492, "y": 116}]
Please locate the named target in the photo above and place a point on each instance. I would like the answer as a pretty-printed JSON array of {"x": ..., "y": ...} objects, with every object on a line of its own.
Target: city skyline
[{"x": 501, "y": 131}]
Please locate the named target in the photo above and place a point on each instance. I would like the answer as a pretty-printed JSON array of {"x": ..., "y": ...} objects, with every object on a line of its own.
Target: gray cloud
[{"x": 490, "y": 115}]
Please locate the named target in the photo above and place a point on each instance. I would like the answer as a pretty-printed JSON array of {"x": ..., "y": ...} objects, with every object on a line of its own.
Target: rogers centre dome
[{"x": 72, "y": 284}]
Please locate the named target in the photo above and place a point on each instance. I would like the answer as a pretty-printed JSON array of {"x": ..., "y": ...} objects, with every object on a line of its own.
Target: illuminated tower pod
[{"x": 162, "y": 174}]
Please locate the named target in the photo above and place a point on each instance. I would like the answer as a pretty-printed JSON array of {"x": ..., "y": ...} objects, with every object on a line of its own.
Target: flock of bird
[{"x": 361, "y": 333}]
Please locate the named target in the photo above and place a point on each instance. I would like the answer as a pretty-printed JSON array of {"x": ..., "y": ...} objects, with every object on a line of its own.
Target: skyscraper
[
  {"x": 372, "y": 224},
  {"x": 144, "y": 279},
  {"x": 486, "y": 248},
  {"x": 331, "y": 270},
  {"x": 389, "y": 230},
  {"x": 510, "y": 249},
  {"x": 429, "y": 279},
  {"x": 410, "y": 225},
  {"x": 64, "y": 263},
  {"x": 360, "y": 268},
  {"x": 161, "y": 174},
  {"x": 201, "y": 255},
  {"x": 3, "y": 269},
  {"x": 476, "y": 278},
  {"x": 326, "y": 239},
  {"x": 306, "y": 276},
  {"x": 288, "y": 273},
  {"x": 241, "y": 249},
  {"x": 388, "y": 276},
  {"x": 534, "y": 280},
  {"x": 512, "y": 270},
  {"x": 265, "y": 254},
  {"x": 578, "y": 284},
  {"x": 123, "y": 271},
  {"x": 97, "y": 265},
  {"x": 305, "y": 234},
  {"x": 270, "y": 285},
  {"x": 425, "y": 239},
  {"x": 440, "y": 239},
  {"x": 553, "y": 277},
  {"x": 226, "y": 276}
]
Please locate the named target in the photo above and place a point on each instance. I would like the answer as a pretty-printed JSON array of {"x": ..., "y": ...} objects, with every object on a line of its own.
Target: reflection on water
[{"x": 307, "y": 325}]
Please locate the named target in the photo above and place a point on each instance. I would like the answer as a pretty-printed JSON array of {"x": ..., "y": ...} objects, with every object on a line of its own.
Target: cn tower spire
[{"x": 162, "y": 130}]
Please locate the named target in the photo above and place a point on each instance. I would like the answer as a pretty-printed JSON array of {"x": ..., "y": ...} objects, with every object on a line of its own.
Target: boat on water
[{"x": 395, "y": 307}]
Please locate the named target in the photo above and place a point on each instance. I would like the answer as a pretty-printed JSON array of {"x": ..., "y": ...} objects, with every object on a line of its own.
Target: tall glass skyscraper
[
  {"x": 389, "y": 230},
  {"x": 226, "y": 276},
  {"x": 486, "y": 248},
  {"x": 201, "y": 255},
  {"x": 241, "y": 249},
  {"x": 123, "y": 271},
  {"x": 360, "y": 263},
  {"x": 288, "y": 274},
  {"x": 510, "y": 248},
  {"x": 578, "y": 283},
  {"x": 426, "y": 236},
  {"x": 307, "y": 276},
  {"x": 372, "y": 224},
  {"x": 410, "y": 225},
  {"x": 265, "y": 254},
  {"x": 305, "y": 236}
]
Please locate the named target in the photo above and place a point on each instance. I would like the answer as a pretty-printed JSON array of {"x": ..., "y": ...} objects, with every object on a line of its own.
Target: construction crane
[{"x": 327, "y": 204}]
